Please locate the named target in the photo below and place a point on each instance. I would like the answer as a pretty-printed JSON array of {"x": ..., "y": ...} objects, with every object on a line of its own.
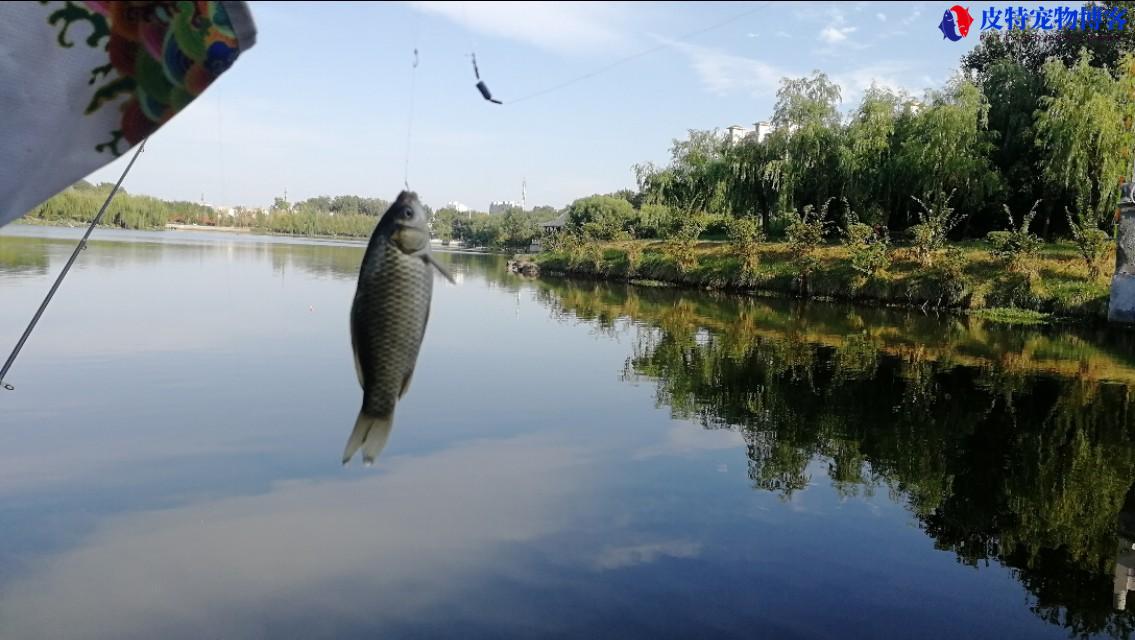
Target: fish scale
[{"x": 390, "y": 335}]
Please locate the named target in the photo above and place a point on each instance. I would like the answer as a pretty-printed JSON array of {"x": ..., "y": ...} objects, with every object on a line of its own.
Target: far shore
[
  {"x": 197, "y": 227},
  {"x": 436, "y": 244}
]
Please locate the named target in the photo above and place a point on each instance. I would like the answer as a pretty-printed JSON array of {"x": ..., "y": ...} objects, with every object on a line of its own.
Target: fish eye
[{"x": 407, "y": 213}]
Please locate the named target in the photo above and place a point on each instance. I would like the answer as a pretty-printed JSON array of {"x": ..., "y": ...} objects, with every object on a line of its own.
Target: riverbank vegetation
[
  {"x": 998, "y": 190},
  {"x": 966, "y": 275}
]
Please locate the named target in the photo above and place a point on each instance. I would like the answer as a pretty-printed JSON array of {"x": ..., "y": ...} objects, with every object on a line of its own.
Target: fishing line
[
  {"x": 410, "y": 122},
  {"x": 621, "y": 61},
  {"x": 481, "y": 86},
  {"x": 468, "y": 31},
  {"x": 67, "y": 267},
  {"x": 410, "y": 118}
]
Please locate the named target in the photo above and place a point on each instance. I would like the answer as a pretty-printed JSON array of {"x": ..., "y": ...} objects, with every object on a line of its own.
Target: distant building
[
  {"x": 555, "y": 225},
  {"x": 457, "y": 206},
  {"x": 735, "y": 134},
  {"x": 220, "y": 210},
  {"x": 501, "y": 206},
  {"x": 761, "y": 130}
]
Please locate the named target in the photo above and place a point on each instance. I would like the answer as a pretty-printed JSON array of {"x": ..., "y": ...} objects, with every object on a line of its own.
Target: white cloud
[
  {"x": 563, "y": 27},
  {"x": 629, "y": 556},
  {"x": 912, "y": 17},
  {"x": 832, "y": 34},
  {"x": 881, "y": 16},
  {"x": 723, "y": 73},
  {"x": 403, "y": 539},
  {"x": 887, "y": 75},
  {"x": 685, "y": 438},
  {"x": 783, "y": 34}
]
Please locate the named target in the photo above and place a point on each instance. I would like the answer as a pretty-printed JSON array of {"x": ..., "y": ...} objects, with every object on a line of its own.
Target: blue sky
[{"x": 320, "y": 105}]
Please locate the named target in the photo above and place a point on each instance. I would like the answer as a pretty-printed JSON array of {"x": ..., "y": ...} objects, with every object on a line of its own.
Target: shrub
[
  {"x": 633, "y": 253},
  {"x": 1092, "y": 242},
  {"x": 935, "y": 222},
  {"x": 1014, "y": 246},
  {"x": 805, "y": 232},
  {"x": 869, "y": 246},
  {"x": 683, "y": 244},
  {"x": 744, "y": 234}
]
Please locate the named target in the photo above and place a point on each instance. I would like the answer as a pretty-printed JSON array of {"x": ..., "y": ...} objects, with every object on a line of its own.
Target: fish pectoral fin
[
  {"x": 437, "y": 265},
  {"x": 405, "y": 384},
  {"x": 370, "y": 433}
]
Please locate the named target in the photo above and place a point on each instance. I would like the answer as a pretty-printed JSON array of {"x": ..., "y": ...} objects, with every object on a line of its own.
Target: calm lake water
[{"x": 573, "y": 459}]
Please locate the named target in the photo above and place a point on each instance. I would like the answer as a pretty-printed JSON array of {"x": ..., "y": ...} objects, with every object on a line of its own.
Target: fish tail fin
[{"x": 370, "y": 434}]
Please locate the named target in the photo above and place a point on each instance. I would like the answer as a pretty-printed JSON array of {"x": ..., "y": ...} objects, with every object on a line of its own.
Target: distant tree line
[
  {"x": 348, "y": 216},
  {"x": 512, "y": 230},
  {"x": 80, "y": 202}
]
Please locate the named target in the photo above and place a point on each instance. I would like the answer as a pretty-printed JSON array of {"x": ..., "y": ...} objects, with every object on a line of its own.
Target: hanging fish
[{"x": 389, "y": 317}]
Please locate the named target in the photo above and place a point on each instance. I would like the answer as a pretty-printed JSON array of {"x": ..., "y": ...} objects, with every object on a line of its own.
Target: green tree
[
  {"x": 948, "y": 149},
  {"x": 867, "y": 154},
  {"x": 806, "y": 140},
  {"x": 604, "y": 217},
  {"x": 1085, "y": 128},
  {"x": 517, "y": 230}
]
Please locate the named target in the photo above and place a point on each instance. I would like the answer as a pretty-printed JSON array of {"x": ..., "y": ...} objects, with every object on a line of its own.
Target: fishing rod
[{"x": 67, "y": 267}]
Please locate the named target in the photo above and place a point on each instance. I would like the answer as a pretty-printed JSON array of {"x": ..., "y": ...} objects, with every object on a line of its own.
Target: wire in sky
[{"x": 636, "y": 56}]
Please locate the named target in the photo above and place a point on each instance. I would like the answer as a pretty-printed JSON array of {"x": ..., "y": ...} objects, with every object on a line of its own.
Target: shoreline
[
  {"x": 197, "y": 227},
  {"x": 1052, "y": 292},
  {"x": 253, "y": 231}
]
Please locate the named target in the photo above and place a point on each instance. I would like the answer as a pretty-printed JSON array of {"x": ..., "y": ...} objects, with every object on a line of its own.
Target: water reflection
[
  {"x": 1010, "y": 446},
  {"x": 533, "y": 493},
  {"x": 23, "y": 256},
  {"x": 368, "y": 553},
  {"x": 1125, "y": 562}
]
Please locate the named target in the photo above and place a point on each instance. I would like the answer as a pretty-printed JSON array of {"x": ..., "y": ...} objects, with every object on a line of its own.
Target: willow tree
[
  {"x": 947, "y": 148},
  {"x": 1085, "y": 128},
  {"x": 806, "y": 139},
  {"x": 752, "y": 190},
  {"x": 697, "y": 180},
  {"x": 866, "y": 156}
]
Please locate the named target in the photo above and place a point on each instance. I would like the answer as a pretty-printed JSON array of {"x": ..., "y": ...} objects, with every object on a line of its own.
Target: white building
[
  {"x": 500, "y": 206},
  {"x": 457, "y": 206},
  {"x": 737, "y": 133},
  {"x": 761, "y": 130},
  {"x": 220, "y": 210}
]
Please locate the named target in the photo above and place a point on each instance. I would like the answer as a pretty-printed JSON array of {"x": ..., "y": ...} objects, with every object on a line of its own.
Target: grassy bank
[{"x": 1054, "y": 283}]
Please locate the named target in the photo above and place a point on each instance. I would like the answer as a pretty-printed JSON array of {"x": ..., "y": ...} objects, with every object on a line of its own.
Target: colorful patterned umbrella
[{"x": 82, "y": 83}]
